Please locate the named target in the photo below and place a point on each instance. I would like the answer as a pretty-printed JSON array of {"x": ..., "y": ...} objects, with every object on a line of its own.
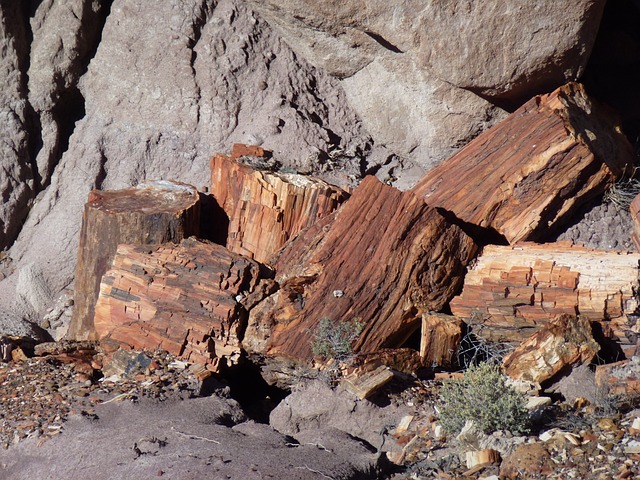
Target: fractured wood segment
[
  {"x": 529, "y": 172},
  {"x": 152, "y": 212},
  {"x": 512, "y": 291},
  {"x": 267, "y": 208},
  {"x": 564, "y": 341},
  {"x": 440, "y": 339},
  {"x": 384, "y": 258},
  {"x": 634, "y": 208},
  {"x": 185, "y": 299}
]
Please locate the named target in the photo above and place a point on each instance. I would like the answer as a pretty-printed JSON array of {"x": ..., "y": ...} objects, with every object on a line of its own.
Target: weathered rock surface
[
  {"x": 512, "y": 291},
  {"x": 181, "y": 298},
  {"x": 65, "y": 36},
  {"x": 265, "y": 208},
  {"x": 529, "y": 173},
  {"x": 151, "y": 212},
  {"x": 16, "y": 174},
  {"x": 384, "y": 258},
  {"x": 196, "y": 438},
  {"x": 166, "y": 87},
  {"x": 402, "y": 61},
  {"x": 315, "y": 406}
]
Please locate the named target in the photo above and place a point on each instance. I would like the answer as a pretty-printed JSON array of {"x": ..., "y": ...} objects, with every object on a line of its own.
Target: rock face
[
  {"x": 16, "y": 179},
  {"x": 266, "y": 209},
  {"x": 414, "y": 58},
  {"x": 157, "y": 92},
  {"x": 383, "y": 259}
]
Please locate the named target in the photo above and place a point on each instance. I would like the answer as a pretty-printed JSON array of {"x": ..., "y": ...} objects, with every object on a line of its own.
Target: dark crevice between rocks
[
  {"x": 200, "y": 21},
  {"x": 102, "y": 172},
  {"x": 69, "y": 107},
  {"x": 214, "y": 222},
  {"x": 256, "y": 397},
  {"x": 612, "y": 74}
]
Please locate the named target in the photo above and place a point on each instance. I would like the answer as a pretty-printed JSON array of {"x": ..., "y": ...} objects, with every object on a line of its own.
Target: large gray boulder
[
  {"x": 410, "y": 66},
  {"x": 154, "y": 89}
]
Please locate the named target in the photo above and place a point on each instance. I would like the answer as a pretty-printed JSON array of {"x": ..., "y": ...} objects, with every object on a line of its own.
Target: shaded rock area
[{"x": 143, "y": 422}]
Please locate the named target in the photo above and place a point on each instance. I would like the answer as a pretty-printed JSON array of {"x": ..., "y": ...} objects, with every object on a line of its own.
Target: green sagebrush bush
[
  {"x": 484, "y": 397},
  {"x": 333, "y": 339}
]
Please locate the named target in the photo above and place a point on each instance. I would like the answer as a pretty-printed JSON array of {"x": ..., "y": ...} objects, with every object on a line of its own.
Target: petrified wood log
[
  {"x": 564, "y": 341},
  {"x": 440, "y": 339},
  {"x": 634, "y": 208},
  {"x": 512, "y": 291},
  {"x": 152, "y": 212},
  {"x": 529, "y": 172},
  {"x": 267, "y": 208},
  {"x": 182, "y": 298},
  {"x": 384, "y": 258}
]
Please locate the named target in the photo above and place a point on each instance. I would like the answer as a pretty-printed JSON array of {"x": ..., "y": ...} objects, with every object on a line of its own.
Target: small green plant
[
  {"x": 333, "y": 339},
  {"x": 484, "y": 397}
]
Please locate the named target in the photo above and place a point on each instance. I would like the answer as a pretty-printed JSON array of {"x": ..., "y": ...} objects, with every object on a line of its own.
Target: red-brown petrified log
[
  {"x": 152, "y": 212},
  {"x": 512, "y": 291},
  {"x": 185, "y": 299},
  {"x": 529, "y": 172},
  {"x": 266, "y": 208},
  {"x": 383, "y": 259}
]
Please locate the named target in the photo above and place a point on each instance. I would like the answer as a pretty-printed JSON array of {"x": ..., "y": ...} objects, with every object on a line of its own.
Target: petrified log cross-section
[
  {"x": 529, "y": 172},
  {"x": 267, "y": 208},
  {"x": 152, "y": 212},
  {"x": 384, "y": 258},
  {"x": 512, "y": 291},
  {"x": 182, "y": 298}
]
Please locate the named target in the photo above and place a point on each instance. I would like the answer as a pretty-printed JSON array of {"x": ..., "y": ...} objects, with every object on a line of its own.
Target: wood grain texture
[
  {"x": 152, "y": 212},
  {"x": 530, "y": 172},
  {"x": 564, "y": 341},
  {"x": 185, "y": 299},
  {"x": 512, "y": 291},
  {"x": 440, "y": 339},
  {"x": 265, "y": 208},
  {"x": 384, "y": 258}
]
